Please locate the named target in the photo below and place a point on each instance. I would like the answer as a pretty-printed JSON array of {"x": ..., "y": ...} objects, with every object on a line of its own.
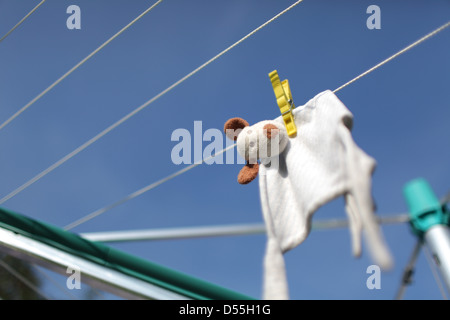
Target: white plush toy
[
  {"x": 261, "y": 141},
  {"x": 319, "y": 164}
]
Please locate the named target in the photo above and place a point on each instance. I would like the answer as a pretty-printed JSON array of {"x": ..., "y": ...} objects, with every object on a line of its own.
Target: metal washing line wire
[
  {"x": 137, "y": 110},
  {"x": 221, "y": 230},
  {"x": 153, "y": 185},
  {"x": 22, "y": 20},
  {"x": 75, "y": 67}
]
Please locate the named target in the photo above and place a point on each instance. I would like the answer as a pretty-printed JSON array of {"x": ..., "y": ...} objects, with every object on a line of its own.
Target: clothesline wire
[
  {"x": 184, "y": 170},
  {"x": 412, "y": 45},
  {"x": 142, "y": 190},
  {"x": 193, "y": 232},
  {"x": 135, "y": 111},
  {"x": 75, "y": 67},
  {"x": 23, "y": 279},
  {"x": 391, "y": 219},
  {"x": 22, "y": 20}
]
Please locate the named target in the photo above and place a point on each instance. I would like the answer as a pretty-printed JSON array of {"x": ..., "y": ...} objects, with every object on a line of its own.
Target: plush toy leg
[{"x": 248, "y": 173}]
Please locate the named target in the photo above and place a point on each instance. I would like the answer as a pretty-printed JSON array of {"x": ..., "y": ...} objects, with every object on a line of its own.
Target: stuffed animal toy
[
  {"x": 320, "y": 163},
  {"x": 261, "y": 141}
]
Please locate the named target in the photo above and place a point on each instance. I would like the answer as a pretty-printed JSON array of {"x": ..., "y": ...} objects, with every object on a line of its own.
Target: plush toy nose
[{"x": 271, "y": 130}]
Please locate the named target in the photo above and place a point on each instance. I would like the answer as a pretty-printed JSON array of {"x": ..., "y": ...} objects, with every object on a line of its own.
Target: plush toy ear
[
  {"x": 248, "y": 173},
  {"x": 271, "y": 130},
  {"x": 233, "y": 127}
]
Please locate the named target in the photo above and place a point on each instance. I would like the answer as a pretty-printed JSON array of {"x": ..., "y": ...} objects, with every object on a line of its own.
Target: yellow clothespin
[{"x": 285, "y": 102}]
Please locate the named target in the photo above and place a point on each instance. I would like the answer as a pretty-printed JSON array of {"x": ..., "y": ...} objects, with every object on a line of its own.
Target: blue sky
[{"x": 400, "y": 118}]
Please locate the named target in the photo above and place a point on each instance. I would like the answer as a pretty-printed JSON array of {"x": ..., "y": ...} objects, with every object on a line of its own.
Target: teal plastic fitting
[{"x": 424, "y": 207}]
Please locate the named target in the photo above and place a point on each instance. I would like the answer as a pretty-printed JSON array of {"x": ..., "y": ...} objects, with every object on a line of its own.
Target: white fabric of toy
[{"x": 320, "y": 163}]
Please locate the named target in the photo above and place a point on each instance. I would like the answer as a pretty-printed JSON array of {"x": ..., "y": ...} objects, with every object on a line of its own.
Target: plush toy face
[{"x": 260, "y": 141}]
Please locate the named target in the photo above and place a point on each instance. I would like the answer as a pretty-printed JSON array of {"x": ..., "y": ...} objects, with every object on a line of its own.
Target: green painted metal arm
[{"x": 117, "y": 260}]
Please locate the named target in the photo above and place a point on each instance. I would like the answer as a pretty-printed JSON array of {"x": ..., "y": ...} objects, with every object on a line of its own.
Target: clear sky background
[{"x": 401, "y": 118}]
